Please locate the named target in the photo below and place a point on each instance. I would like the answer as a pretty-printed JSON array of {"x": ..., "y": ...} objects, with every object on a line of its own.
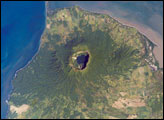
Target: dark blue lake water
[{"x": 22, "y": 25}]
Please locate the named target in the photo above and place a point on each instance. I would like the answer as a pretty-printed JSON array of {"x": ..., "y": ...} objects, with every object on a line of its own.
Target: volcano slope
[{"x": 121, "y": 79}]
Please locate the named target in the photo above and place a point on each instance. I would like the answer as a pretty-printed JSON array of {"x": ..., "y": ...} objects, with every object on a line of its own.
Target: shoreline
[
  {"x": 115, "y": 18},
  {"x": 15, "y": 74},
  {"x": 38, "y": 48},
  {"x": 152, "y": 35}
]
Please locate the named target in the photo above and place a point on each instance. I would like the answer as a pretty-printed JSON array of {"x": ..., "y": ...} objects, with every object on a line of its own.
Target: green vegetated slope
[{"x": 117, "y": 82}]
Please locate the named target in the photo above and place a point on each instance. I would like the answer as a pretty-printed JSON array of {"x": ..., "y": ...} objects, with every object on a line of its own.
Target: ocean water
[
  {"x": 145, "y": 16},
  {"x": 148, "y": 13},
  {"x": 22, "y": 25}
]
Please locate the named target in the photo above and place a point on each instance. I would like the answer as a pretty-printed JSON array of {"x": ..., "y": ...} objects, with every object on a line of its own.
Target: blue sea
[{"x": 22, "y": 25}]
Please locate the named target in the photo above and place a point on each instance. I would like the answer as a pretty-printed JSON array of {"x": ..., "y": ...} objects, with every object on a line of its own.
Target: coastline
[
  {"x": 117, "y": 19},
  {"x": 152, "y": 35},
  {"x": 15, "y": 74},
  {"x": 35, "y": 54},
  {"x": 39, "y": 43}
]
